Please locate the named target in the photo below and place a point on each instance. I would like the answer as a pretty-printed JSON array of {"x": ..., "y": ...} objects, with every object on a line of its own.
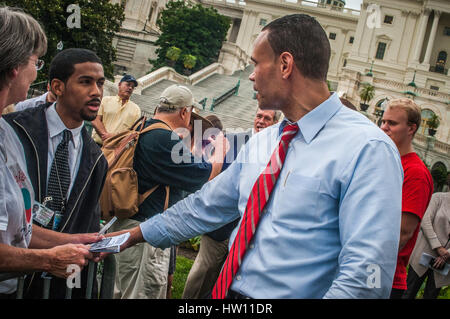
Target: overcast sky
[{"x": 353, "y": 4}]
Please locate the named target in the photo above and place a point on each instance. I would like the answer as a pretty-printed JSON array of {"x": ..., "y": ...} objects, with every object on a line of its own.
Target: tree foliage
[
  {"x": 100, "y": 19},
  {"x": 197, "y": 30},
  {"x": 367, "y": 92}
]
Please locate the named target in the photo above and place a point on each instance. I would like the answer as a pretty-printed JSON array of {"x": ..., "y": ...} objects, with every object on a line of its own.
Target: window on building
[
  {"x": 433, "y": 87},
  {"x": 388, "y": 19},
  {"x": 380, "y": 51},
  {"x": 425, "y": 116},
  {"x": 351, "y": 40},
  {"x": 345, "y": 63},
  {"x": 447, "y": 31},
  {"x": 328, "y": 1},
  {"x": 262, "y": 22},
  {"x": 332, "y": 36}
]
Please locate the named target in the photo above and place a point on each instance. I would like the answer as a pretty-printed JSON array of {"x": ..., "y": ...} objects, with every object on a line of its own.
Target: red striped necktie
[{"x": 259, "y": 196}]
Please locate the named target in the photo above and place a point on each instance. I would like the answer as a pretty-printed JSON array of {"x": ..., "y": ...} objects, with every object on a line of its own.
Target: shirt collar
[
  {"x": 56, "y": 125},
  {"x": 315, "y": 120},
  {"x": 120, "y": 101}
]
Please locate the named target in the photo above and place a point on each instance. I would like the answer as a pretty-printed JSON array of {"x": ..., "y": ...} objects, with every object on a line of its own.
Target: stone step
[{"x": 235, "y": 112}]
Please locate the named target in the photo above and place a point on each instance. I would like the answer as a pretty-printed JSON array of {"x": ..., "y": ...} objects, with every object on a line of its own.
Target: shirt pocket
[{"x": 296, "y": 201}]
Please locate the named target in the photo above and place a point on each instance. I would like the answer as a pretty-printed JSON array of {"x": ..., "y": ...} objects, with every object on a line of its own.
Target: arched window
[{"x": 425, "y": 114}]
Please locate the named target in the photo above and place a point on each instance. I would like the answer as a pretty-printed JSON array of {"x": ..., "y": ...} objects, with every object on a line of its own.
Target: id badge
[
  {"x": 41, "y": 214},
  {"x": 56, "y": 222}
]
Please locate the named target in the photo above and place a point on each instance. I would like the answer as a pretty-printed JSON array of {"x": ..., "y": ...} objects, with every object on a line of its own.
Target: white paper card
[{"x": 110, "y": 244}]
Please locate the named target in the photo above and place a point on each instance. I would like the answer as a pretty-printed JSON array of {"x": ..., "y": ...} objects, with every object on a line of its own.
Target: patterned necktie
[
  {"x": 59, "y": 179},
  {"x": 259, "y": 196}
]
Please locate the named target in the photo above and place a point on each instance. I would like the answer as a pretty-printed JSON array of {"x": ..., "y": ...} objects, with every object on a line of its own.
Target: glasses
[{"x": 39, "y": 64}]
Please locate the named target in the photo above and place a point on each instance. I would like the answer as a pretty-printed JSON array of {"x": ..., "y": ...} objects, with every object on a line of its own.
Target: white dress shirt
[{"x": 55, "y": 129}]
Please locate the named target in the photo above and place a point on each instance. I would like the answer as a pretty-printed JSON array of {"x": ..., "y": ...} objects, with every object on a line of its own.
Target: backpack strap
[
  {"x": 155, "y": 126},
  {"x": 143, "y": 197},
  {"x": 141, "y": 121}
]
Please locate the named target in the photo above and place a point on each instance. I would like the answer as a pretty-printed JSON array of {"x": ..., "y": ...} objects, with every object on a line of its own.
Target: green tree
[
  {"x": 367, "y": 92},
  {"x": 99, "y": 21},
  {"x": 198, "y": 31}
]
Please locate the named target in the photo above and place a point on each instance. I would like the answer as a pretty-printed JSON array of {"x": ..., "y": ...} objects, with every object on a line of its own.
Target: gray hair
[
  {"x": 21, "y": 36},
  {"x": 276, "y": 115}
]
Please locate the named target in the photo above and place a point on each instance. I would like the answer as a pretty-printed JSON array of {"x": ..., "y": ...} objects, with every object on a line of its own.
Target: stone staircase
[
  {"x": 125, "y": 49},
  {"x": 235, "y": 112}
]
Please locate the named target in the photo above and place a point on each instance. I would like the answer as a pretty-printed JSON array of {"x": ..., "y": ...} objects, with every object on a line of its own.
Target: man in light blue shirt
[
  {"x": 331, "y": 226},
  {"x": 47, "y": 97}
]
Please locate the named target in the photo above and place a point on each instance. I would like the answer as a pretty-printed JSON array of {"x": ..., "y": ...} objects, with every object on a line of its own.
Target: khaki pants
[
  {"x": 206, "y": 268},
  {"x": 141, "y": 270}
]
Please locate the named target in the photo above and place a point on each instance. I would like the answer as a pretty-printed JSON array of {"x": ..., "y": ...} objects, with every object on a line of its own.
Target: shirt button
[
  {"x": 238, "y": 277},
  {"x": 252, "y": 246}
]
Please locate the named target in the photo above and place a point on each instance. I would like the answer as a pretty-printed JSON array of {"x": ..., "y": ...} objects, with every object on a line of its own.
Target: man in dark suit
[{"x": 66, "y": 167}]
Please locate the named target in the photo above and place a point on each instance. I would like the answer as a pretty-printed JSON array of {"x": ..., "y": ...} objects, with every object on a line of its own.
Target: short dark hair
[
  {"x": 303, "y": 37},
  {"x": 63, "y": 64}
]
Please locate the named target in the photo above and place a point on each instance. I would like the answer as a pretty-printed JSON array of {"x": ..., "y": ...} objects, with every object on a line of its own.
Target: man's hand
[
  {"x": 221, "y": 146},
  {"x": 439, "y": 263},
  {"x": 63, "y": 256},
  {"x": 135, "y": 238},
  {"x": 443, "y": 253},
  {"x": 86, "y": 238},
  {"x": 106, "y": 135}
]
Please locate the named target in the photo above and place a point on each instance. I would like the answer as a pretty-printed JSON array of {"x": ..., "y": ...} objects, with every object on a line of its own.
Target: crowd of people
[{"x": 299, "y": 206}]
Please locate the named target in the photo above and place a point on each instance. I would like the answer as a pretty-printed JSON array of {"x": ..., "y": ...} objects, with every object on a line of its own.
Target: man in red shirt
[{"x": 400, "y": 122}]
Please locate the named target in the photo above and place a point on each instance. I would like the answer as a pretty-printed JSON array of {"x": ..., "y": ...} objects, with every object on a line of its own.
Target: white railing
[
  {"x": 168, "y": 73},
  {"x": 397, "y": 86},
  {"x": 439, "y": 146}
]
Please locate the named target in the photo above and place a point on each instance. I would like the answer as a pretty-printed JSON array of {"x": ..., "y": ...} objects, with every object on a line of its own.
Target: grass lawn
[{"x": 179, "y": 278}]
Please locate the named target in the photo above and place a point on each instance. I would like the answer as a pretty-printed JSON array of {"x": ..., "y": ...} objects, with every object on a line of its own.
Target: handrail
[
  {"x": 233, "y": 91},
  {"x": 203, "y": 102}
]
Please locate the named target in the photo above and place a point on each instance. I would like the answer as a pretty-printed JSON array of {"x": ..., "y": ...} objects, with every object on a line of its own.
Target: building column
[
  {"x": 426, "y": 59},
  {"x": 421, "y": 37}
]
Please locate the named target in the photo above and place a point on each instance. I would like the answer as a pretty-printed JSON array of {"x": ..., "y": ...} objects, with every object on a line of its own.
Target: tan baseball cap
[{"x": 178, "y": 96}]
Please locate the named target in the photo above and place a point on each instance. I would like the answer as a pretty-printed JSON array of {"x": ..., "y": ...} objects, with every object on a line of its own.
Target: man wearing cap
[
  {"x": 161, "y": 158},
  {"x": 116, "y": 113}
]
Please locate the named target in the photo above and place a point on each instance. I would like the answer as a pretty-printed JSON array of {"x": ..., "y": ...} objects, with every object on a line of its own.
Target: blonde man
[{"x": 400, "y": 122}]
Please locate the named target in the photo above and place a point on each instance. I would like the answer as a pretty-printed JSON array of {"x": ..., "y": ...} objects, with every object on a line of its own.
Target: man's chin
[{"x": 88, "y": 116}]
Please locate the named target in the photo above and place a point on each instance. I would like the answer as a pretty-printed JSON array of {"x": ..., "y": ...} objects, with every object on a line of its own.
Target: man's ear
[
  {"x": 286, "y": 64},
  {"x": 412, "y": 128},
  {"x": 58, "y": 87}
]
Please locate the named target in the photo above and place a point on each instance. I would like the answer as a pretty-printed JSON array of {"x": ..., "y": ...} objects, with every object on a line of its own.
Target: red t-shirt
[{"x": 416, "y": 194}]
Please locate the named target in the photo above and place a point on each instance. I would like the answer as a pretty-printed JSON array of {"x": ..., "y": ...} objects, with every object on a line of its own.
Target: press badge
[{"x": 41, "y": 214}]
